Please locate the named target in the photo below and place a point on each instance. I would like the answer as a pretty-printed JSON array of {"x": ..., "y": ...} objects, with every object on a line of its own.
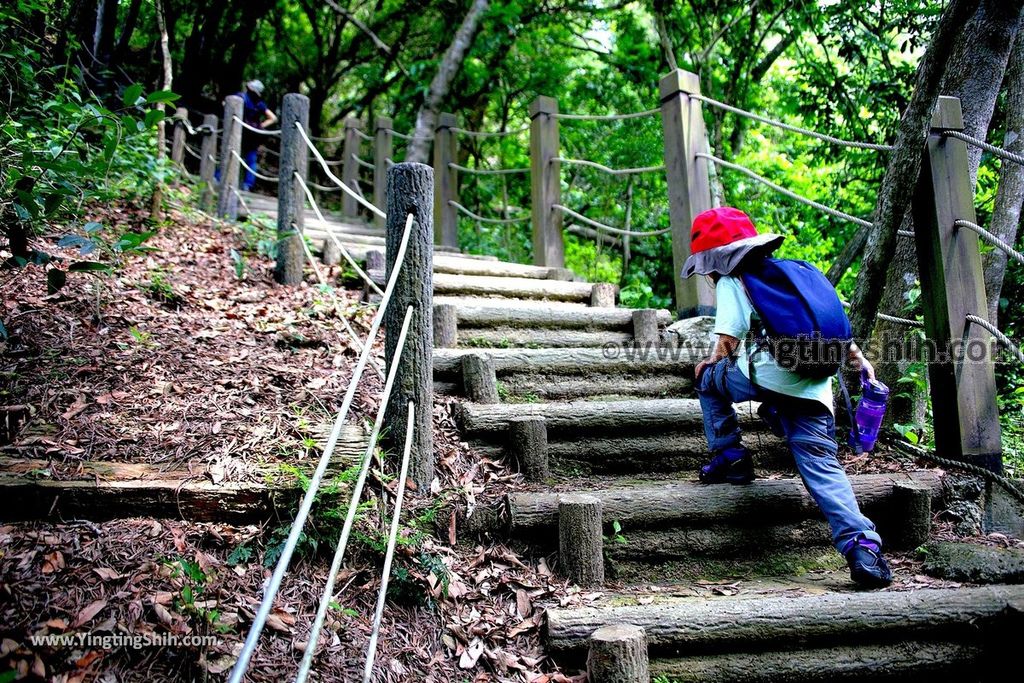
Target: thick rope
[
  {"x": 997, "y": 151},
  {"x": 261, "y": 131},
  {"x": 905, "y": 233},
  {"x": 330, "y": 234},
  {"x": 607, "y": 117},
  {"x": 489, "y": 134},
  {"x": 783, "y": 191},
  {"x": 344, "y": 188},
  {"x": 482, "y": 219},
  {"x": 259, "y": 175},
  {"x": 991, "y": 239},
  {"x": 193, "y": 153},
  {"x": 486, "y": 171},
  {"x": 363, "y": 163},
  {"x": 324, "y": 188},
  {"x": 357, "y": 492},
  {"x": 1005, "y": 482},
  {"x": 607, "y": 228},
  {"x": 274, "y": 585},
  {"x": 793, "y": 129},
  {"x": 404, "y": 136},
  {"x": 363, "y": 136},
  {"x": 998, "y": 334},
  {"x": 389, "y": 554},
  {"x": 613, "y": 171},
  {"x": 899, "y": 321}
]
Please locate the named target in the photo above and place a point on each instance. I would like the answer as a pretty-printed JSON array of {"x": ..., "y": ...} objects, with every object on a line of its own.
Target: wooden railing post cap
[
  {"x": 296, "y": 96},
  {"x": 446, "y": 120},
  {"x": 383, "y": 123},
  {"x": 678, "y": 81},
  {"x": 543, "y": 105},
  {"x": 948, "y": 114},
  {"x": 353, "y": 122}
]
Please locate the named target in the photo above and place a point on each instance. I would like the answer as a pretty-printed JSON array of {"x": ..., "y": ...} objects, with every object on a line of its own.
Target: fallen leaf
[
  {"x": 87, "y": 614},
  {"x": 106, "y": 573},
  {"x": 472, "y": 653},
  {"x": 53, "y": 562}
]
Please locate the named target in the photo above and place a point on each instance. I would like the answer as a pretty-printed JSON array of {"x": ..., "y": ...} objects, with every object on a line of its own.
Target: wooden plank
[
  {"x": 529, "y": 315},
  {"x": 952, "y": 286},
  {"x": 677, "y": 361},
  {"x": 446, "y": 181},
  {"x": 545, "y": 184},
  {"x": 689, "y": 190}
]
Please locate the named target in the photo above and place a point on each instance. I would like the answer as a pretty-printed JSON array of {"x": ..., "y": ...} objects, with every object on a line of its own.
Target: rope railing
[
  {"x": 486, "y": 171},
  {"x": 254, "y": 129},
  {"x": 406, "y": 136},
  {"x": 607, "y": 117},
  {"x": 193, "y": 153},
  {"x": 362, "y": 162},
  {"x": 389, "y": 555},
  {"x": 998, "y": 334},
  {"x": 997, "y": 151},
  {"x": 606, "y": 169},
  {"x": 324, "y": 188},
  {"x": 607, "y": 228},
  {"x": 198, "y": 130},
  {"x": 991, "y": 239},
  {"x": 330, "y": 234},
  {"x": 357, "y": 492},
  {"x": 489, "y": 134},
  {"x": 274, "y": 585},
  {"x": 484, "y": 219},
  {"x": 898, "y": 320},
  {"x": 783, "y": 191},
  {"x": 250, "y": 169},
  {"x": 362, "y": 136},
  {"x": 793, "y": 129},
  {"x": 335, "y": 179}
]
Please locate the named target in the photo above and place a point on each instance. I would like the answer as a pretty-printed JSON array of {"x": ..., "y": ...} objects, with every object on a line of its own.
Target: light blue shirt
[{"x": 734, "y": 319}]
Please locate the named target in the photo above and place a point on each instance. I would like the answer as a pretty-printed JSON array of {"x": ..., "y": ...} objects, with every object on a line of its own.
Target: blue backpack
[{"x": 802, "y": 321}]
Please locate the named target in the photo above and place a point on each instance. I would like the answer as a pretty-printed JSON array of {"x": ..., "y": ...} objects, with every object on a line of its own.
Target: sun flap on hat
[{"x": 725, "y": 259}]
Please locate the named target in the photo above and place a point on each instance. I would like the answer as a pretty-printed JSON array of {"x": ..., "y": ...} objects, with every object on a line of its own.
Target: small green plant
[
  {"x": 239, "y": 262},
  {"x": 617, "y": 535},
  {"x": 194, "y": 580},
  {"x": 142, "y": 338}
]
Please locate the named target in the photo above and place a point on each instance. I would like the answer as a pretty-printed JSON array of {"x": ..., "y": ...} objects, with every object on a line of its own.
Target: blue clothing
[
  {"x": 810, "y": 435},
  {"x": 250, "y": 178},
  {"x": 735, "y": 312},
  {"x": 253, "y": 111}
]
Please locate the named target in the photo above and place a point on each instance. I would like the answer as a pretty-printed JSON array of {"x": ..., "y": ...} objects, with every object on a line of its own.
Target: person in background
[
  {"x": 257, "y": 114},
  {"x": 724, "y": 246}
]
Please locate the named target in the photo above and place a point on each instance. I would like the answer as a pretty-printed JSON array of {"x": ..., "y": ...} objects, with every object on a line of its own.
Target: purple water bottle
[{"x": 869, "y": 413}]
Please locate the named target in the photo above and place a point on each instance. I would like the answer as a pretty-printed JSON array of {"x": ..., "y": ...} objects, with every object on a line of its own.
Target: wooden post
[
  {"x": 645, "y": 327},
  {"x": 330, "y": 254},
  {"x": 545, "y": 184},
  {"x": 178, "y": 140},
  {"x": 227, "y": 202},
  {"x": 446, "y": 326},
  {"x": 410, "y": 190},
  {"x": 382, "y": 150},
  {"x": 689, "y": 191},
  {"x": 479, "y": 379},
  {"x": 580, "y": 539},
  {"x": 208, "y": 161},
  {"x": 618, "y": 654},
  {"x": 911, "y": 515},
  {"x": 349, "y": 167},
  {"x": 446, "y": 216},
  {"x": 528, "y": 446},
  {"x": 952, "y": 287},
  {"x": 374, "y": 263},
  {"x": 291, "y": 198},
  {"x": 603, "y": 294}
]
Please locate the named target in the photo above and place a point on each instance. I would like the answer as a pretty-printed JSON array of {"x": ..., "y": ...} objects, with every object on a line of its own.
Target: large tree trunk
[
  {"x": 1010, "y": 196},
  {"x": 904, "y": 167},
  {"x": 973, "y": 73},
  {"x": 451, "y": 62}
]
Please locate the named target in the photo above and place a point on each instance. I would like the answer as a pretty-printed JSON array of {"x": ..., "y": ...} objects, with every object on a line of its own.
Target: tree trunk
[
  {"x": 156, "y": 206},
  {"x": 451, "y": 62},
  {"x": 973, "y": 73},
  {"x": 659, "y": 7},
  {"x": 1007, "y": 211},
  {"x": 904, "y": 167}
]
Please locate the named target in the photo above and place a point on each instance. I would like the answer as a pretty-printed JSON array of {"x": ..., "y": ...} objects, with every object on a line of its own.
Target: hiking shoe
[
  {"x": 867, "y": 566},
  {"x": 770, "y": 415},
  {"x": 731, "y": 465}
]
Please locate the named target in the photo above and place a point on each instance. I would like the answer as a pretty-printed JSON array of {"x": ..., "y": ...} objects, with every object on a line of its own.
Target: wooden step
[
  {"x": 476, "y": 312},
  {"x": 928, "y": 634},
  {"x": 460, "y": 266},
  {"x": 576, "y": 362},
  {"x": 490, "y": 286}
]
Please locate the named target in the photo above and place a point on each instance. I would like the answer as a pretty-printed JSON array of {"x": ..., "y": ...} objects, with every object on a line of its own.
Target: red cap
[{"x": 719, "y": 227}]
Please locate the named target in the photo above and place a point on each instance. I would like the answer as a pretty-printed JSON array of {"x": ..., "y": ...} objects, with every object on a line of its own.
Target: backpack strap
[{"x": 849, "y": 411}]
